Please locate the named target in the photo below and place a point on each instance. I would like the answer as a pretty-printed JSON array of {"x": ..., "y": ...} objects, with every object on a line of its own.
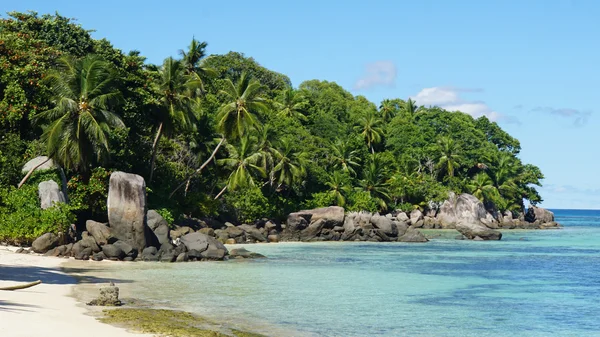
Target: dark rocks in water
[
  {"x": 100, "y": 232},
  {"x": 214, "y": 253},
  {"x": 385, "y": 224},
  {"x": 253, "y": 233},
  {"x": 113, "y": 252},
  {"x": 208, "y": 247},
  {"x": 195, "y": 241},
  {"x": 109, "y": 296},
  {"x": 244, "y": 253},
  {"x": 539, "y": 215},
  {"x": 127, "y": 209},
  {"x": 412, "y": 235},
  {"x": 45, "y": 242},
  {"x": 84, "y": 254},
  {"x": 473, "y": 230}
]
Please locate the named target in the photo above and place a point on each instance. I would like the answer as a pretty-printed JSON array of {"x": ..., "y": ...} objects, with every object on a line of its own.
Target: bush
[
  {"x": 361, "y": 201},
  {"x": 22, "y": 220},
  {"x": 320, "y": 199},
  {"x": 249, "y": 204},
  {"x": 167, "y": 215},
  {"x": 89, "y": 197}
]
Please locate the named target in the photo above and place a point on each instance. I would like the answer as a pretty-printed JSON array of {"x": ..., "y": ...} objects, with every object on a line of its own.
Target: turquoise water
[{"x": 532, "y": 283}]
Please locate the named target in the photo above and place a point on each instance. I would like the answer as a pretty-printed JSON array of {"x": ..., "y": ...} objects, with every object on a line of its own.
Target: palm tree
[
  {"x": 238, "y": 116},
  {"x": 291, "y": 104},
  {"x": 448, "y": 155},
  {"x": 339, "y": 187},
  {"x": 243, "y": 162},
  {"x": 177, "y": 108},
  {"x": 192, "y": 61},
  {"x": 289, "y": 164},
  {"x": 344, "y": 157},
  {"x": 84, "y": 95},
  {"x": 388, "y": 109},
  {"x": 371, "y": 130},
  {"x": 411, "y": 107},
  {"x": 265, "y": 148},
  {"x": 374, "y": 181},
  {"x": 482, "y": 187}
]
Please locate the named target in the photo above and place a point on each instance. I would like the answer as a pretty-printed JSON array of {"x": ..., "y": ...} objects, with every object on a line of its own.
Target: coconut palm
[
  {"x": 291, "y": 104},
  {"x": 374, "y": 181},
  {"x": 388, "y": 109},
  {"x": 290, "y": 164},
  {"x": 370, "y": 128},
  {"x": 192, "y": 61},
  {"x": 84, "y": 96},
  {"x": 177, "y": 107},
  {"x": 236, "y": 117},
  {"x": 482, "y": 187},
  {"x": 411, "y": 107},
  {"x": 243, "y": 162},
  {"x": 343, "y": 157},
  {"x": 448, "y": 155},
  {"x": 339, "y": 187}
]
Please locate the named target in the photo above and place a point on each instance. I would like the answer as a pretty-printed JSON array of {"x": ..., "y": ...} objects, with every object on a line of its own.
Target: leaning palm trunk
[
  {"x": 154, "y": 149},
  {"x": 31, "y": 172},
  {"x": 22, "y": 286},
  {"x": 187, "y": 180},
  {"x": 221, "y": 193}
]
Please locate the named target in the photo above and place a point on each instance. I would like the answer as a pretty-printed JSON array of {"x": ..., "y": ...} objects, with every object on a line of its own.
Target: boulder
[
  {"x": 127, "y": 209},
  {"x": 313, "y": 230},
  {"x": 331, "y": 216},
  {"x": 196, "y": 241},
  {"x": 402, "y": 217},
  {"x": 208, "y": 247},
  {"x": 88, "y": 241},
  {"x": 273, "y": 238},
  {"x": 159, "y": 226},
  {"x": 113, "y": 252},
  {"x": 473, "y": 230},
  {"x": 183, "y": 257},
  {"x": 150, "y": 254},
  {"x": 208, "y": 231},
  {"x": 180, "y": 231},
  {"x": 100, "y": 232},
  {"x": 230, "y": 242},
  {"x": 297, "y": 221},
  {"x": 126, "y": 248},
  {"x": 48, "y": 165},
  {"x": 50, "y": 194},
  {"x": 412, "y": 235},
  {"x": 538, "y": 214},
  {"x": 84, "y": 254},
  {"x": 109, "y": 296},
  {"x": 214, "y": 253},
  {"x": 223, "y": 236},
  {"x": 45, "y": 242},
  {"x": 253, "y": 233},
  {"x": 385, "y": 224},
  {"x": 415, "y": 216},
  {"x": 244, "y": 253},
  {"x": 233, "y": 232},
  {"x": 99, "y": 256}
]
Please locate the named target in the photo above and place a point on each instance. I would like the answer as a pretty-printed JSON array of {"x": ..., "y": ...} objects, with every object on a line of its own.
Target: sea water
[{"x": 531, "y": 283}]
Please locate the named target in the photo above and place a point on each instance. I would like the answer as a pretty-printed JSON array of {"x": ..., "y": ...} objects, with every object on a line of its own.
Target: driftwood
[{"x": 22, "y": 286}]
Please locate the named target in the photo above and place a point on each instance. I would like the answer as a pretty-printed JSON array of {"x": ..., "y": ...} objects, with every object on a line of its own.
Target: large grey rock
[
  {"x": 332, "y": 216},
  {"x": 538, "y": 214},
  {"x": 385, "y": 224},
  {"x": 100, "y": 232},
  {"x": 415, "y": 216},
  {"x": 128, "y": 249},
  {"x": 208, "y": 247},
  {"x": 45, "y": 242},
  {"x": 127, "y": 209},
  {"x": 468, "y": 215},
  {"x": 412, "y": 235},
  {"x": 472, "y": 230},
  {"x": 113, "y": 252},
  {"x": 159, "y": 226},
  {"x": 244, "y": 253},
  {"x": 180, "y": 231},
  {"x": 48, "y": 165},
  {"x": 50, "y": 194},
  {"x": 253, "y": 233},
  {"x": 88, "y": 241}
]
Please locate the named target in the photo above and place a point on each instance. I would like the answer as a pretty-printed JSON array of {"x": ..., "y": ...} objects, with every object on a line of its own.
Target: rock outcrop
[
  {"x": 45, "y": 242},
  {"x": 100, "y": 232},
  {"x": 50, "y": 194},
  {"x": 159, "y": 226},
  {"x": 127, "y": 209}
]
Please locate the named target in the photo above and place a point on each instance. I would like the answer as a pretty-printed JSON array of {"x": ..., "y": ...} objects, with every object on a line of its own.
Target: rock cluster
[{"x": 109, "y": 296}]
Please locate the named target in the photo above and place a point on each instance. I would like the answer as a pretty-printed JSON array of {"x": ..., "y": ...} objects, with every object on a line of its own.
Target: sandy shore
[{"x": 47, "y": 309}]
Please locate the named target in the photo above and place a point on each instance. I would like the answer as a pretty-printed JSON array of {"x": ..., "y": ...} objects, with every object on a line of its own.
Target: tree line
[{"x": 220, "y": 135}]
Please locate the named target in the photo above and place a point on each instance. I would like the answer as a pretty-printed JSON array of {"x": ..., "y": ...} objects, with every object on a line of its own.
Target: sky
[{"x": 530, "y": 65}]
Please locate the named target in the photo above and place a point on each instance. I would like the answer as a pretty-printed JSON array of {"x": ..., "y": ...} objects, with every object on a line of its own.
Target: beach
[{"x": 47, "y": 309}]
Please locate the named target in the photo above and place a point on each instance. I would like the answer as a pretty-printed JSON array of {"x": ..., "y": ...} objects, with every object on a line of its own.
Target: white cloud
[
  {"x": 449, "y": 98},
  {"x": 377, "y": 73}
]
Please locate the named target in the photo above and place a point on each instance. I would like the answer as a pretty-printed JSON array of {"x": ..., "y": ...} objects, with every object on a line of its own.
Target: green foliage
[
  {"x": 167, "y": 215},
  {"x": 22, "y": 220},
  {"x": 89, "y": 196},
  {"x": 249, "y": 204}
]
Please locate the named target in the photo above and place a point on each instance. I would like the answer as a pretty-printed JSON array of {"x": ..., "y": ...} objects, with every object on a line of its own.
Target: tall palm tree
[
  {"x": 370, "y": 128},
  {"x": 84, "y": 95},
  {"x": 290, "y": 165},
  {"x": 339, "y": 187},
  {"x": 291, "y": 104},
  {"x": 265, "y": 148},
  {"x": 448, "y": 155},
  {"x": 343, "y": 157},
  {"x": 177, "y": 107},
  {"x": 238, "y": 116},
  {"x": 388, "y": 109},
  {"x": 374, "y": 181},
  {"x": 243, "y": 162},
  {"x": 192, "y": 61},
  {"x": 411, "y": 107}
]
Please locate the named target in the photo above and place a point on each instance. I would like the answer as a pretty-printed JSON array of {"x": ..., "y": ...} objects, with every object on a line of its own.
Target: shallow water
[{"x": 532, "y": 283}]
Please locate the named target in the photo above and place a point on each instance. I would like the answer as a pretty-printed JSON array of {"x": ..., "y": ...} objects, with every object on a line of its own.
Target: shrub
[{"x": 249, "y": 204}]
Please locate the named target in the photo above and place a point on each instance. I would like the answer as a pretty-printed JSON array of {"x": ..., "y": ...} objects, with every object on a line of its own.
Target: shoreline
[{"x": 48, "y": 309}]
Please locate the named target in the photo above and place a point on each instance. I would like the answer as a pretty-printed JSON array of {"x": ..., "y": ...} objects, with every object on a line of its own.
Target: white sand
[{"x": 47, "y": 309}]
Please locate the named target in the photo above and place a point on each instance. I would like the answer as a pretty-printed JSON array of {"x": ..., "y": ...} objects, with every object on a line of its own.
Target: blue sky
[{"x": 531, "y": 65}]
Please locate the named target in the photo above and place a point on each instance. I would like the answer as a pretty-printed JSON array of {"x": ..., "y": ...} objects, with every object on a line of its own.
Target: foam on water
[{"x": 532, "y": 283}]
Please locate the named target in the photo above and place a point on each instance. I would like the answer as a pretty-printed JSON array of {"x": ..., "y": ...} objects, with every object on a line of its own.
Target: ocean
[{"x": 531, "y": 283}]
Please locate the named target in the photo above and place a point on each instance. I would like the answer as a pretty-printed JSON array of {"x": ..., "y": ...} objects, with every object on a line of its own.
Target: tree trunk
[
  {"x": 212, "y": 155},
  {"x": 22, "y": 286},
  {"x": 31, "y": 172},
  {"x": 220, "y": 193},
  {"x": 154, "y": 149}
]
